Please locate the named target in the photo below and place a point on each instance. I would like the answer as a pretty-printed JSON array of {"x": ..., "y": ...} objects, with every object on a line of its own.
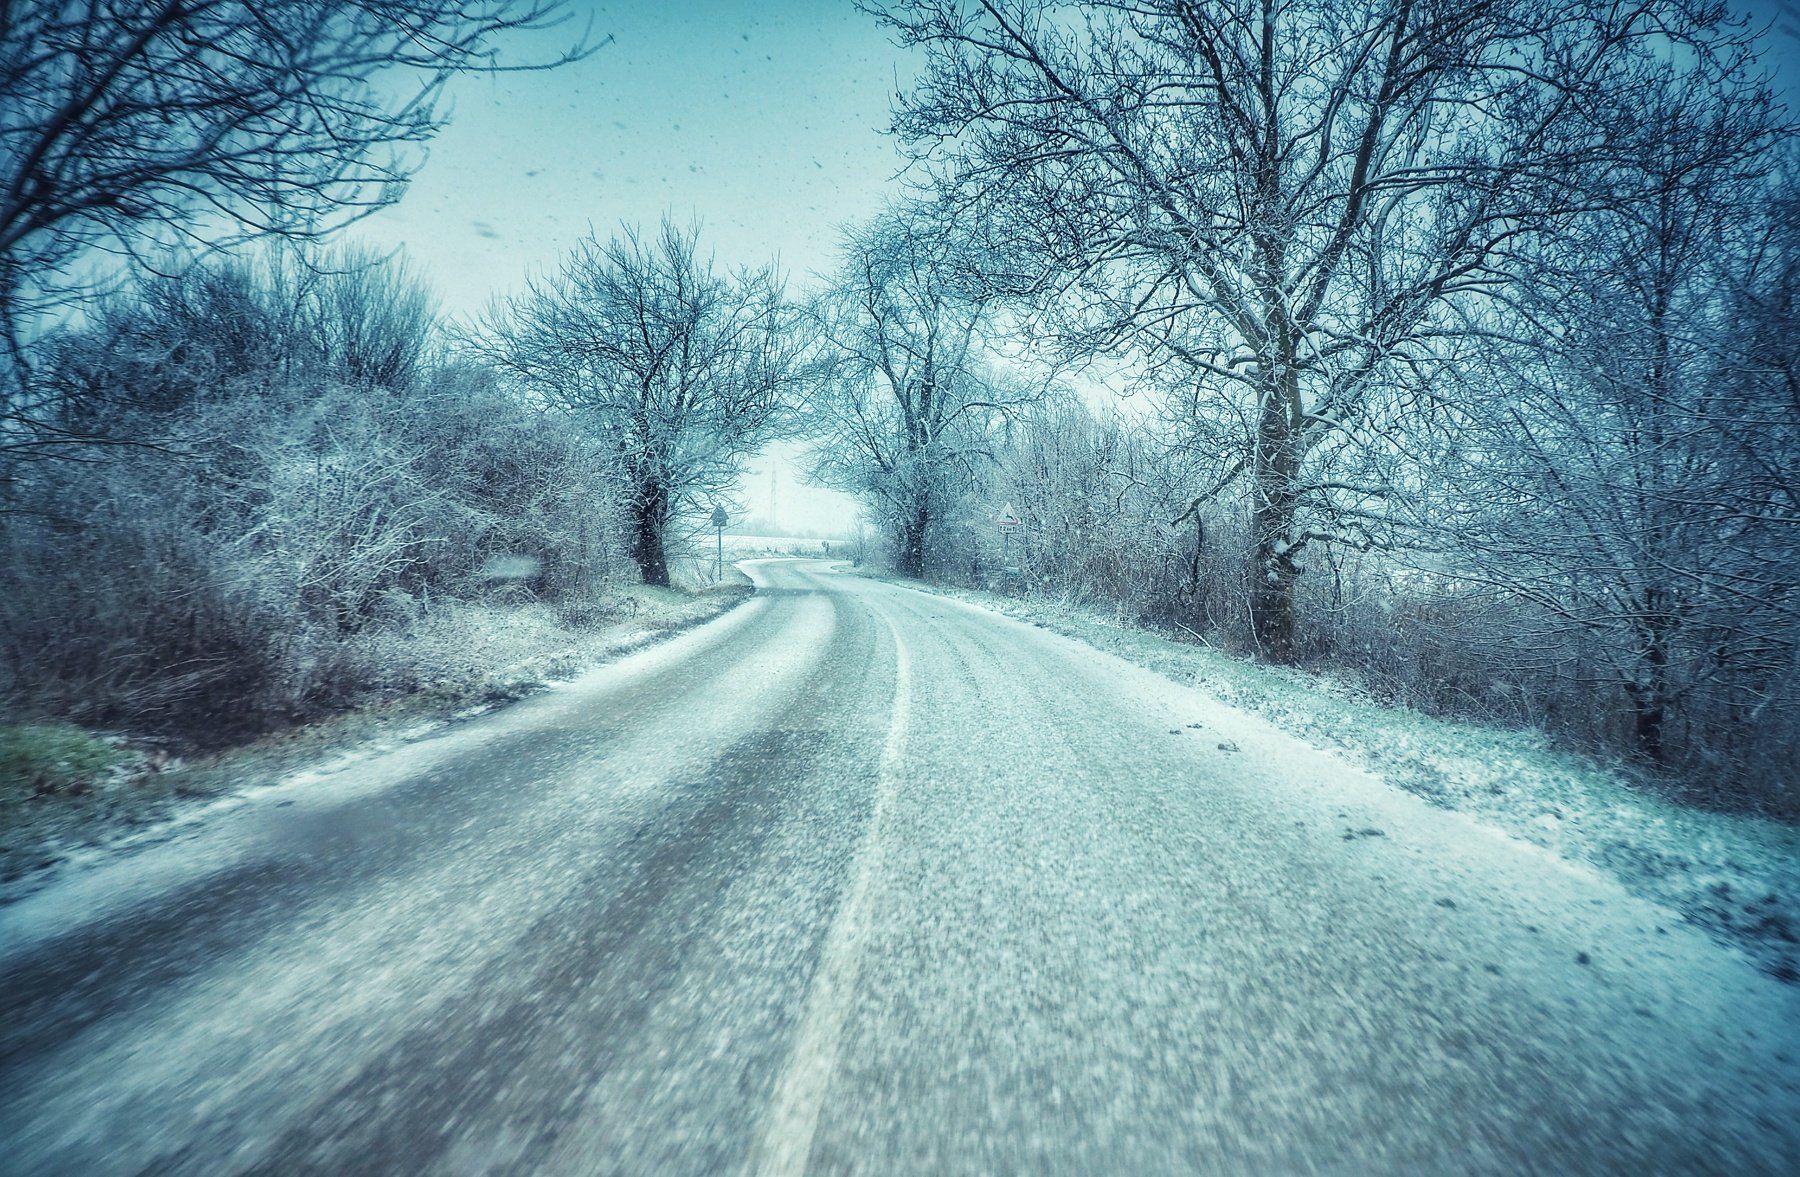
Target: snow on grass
[
  {"x": 1736, "y": 876},
  {"x": 459, "y": 662}
]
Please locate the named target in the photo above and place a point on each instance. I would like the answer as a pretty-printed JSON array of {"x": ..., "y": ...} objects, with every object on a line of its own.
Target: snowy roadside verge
[
  {"x": 1737, "y": 877},
  {"x": 469, "y": 664}
]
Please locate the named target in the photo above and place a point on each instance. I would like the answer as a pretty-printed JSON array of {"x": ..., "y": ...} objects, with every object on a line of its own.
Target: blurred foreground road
[{"x": 857, "y": 879}]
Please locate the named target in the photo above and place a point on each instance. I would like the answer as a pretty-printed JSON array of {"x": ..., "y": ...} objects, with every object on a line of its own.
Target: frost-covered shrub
[
  {"x": 117, "y": 606},
  {"x": 229, "y": 576}
]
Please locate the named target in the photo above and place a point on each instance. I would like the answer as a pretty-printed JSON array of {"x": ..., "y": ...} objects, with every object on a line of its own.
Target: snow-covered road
[{"x": 860, "y": 879}]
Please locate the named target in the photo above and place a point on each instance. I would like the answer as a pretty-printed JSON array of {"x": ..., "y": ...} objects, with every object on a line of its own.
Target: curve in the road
[{"x": 857, "y": 878}]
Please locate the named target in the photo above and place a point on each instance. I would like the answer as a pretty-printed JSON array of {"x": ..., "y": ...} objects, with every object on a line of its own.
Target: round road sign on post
[{"x": 719, "y": 518}]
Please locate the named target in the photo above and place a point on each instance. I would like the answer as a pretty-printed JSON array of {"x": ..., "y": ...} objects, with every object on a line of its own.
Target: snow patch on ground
[{"x": 1737, "y": 877}]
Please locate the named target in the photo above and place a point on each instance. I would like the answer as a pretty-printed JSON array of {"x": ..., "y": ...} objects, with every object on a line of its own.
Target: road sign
[
  {"x": 720, "y": 519},
  {"x": 1009, "y": 523}
]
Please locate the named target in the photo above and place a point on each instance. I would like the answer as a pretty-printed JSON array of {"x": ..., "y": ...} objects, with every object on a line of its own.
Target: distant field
[{"x": 783, "y": 545}]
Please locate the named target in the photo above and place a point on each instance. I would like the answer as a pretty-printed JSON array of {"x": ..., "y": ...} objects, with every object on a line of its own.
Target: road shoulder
[
  {"x": 1737, "y": 877},
  {"x": 142, "y": 795}
]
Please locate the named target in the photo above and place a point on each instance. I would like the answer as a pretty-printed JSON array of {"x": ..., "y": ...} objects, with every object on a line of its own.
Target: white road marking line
[{"x": 786, "y": 1139}]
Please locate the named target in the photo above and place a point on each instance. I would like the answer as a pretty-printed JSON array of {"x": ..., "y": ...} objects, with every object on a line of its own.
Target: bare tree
[
  {"x": 1630, "y": 470},
  {"x": 683, "y": 370},
  {"x": 1286, "y": 204},
  {"x": 903, "y": 419},
  {"x": 128, "y": 126},
  {"x": 371, "y": 317}
]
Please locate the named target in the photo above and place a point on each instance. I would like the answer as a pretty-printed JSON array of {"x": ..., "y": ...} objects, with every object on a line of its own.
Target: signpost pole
[
  {"x": 718, "y": 521},
  {"x": 1007, "y": 521}
]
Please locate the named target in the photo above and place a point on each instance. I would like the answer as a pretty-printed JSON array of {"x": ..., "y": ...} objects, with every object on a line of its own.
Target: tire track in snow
[{"x": 785, "y": 1141}]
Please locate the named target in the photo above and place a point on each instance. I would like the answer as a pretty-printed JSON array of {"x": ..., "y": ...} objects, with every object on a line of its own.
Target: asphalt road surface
[{"x": 858, "y": 879}]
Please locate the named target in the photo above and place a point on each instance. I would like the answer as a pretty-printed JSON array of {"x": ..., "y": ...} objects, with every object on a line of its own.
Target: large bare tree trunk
[
  {"x": 1273, "y": 571},
  {"x": 909, "y": 557},
  {"x": 649, "y": 520},
  {"x": 1274, "y": 507},
  {"x": 1650, "y": 694}
]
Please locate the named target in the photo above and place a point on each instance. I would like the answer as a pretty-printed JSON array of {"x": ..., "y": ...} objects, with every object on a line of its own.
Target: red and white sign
[{"x": 1006, "y": 518}]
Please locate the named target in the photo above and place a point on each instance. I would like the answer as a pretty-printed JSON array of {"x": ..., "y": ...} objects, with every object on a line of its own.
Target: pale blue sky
[{"x": 761, "y": 119}]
